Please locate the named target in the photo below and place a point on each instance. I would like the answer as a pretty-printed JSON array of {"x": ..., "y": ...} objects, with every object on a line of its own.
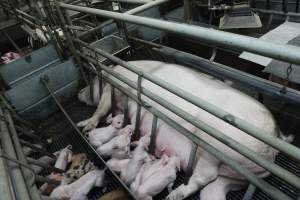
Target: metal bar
[
  {"x": 132, "y": 1},
  {"x": 12, "y": 42},
  {"x": 44, "y": 81},
  {"x": 130, "y": 12},
  {"x": 28, "y": 174},
  {"x": 40, "y": 164},
  {"x": 5, "y": 190},
  {"x": 189, "y": 169},
  {"x": 139, "y": 108},
  {"x": 15, "y": 115},
  {"x": 153, "y": 135},
  {"x": 14, "y": 170},
  {"x": 243, "y": 150},
  {"x": 297, "y": 6},
  {"x": 32, "y": 146},
  {"x": 275, "y": 12},
  {"x": 126, "y": 112},
  {"x": 282, "y": 52},
  {"x": 249, "y": 193},
  {"x": 239, "y": 123},
  {"x": 68, "y": 36},
  {"x": 27, "y": 133},
  {"x": 40, "y": 22},
  {"x": 268, "y": 5},
  {"x": 284, "y": 6},
  {"x": 264, "y": 186},
  {"x": 187, "y": 11},
  {"x": 222, "y": 71},
  {"x": 112, "y": 98}
]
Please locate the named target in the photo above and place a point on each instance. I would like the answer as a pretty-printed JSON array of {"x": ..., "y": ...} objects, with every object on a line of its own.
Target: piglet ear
[{"x": 109, "y": 119}]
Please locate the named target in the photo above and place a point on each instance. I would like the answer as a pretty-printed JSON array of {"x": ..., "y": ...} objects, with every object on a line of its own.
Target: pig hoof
[
  {"x": 175, "y": 195},
  {"x": 88, "y": 124}
]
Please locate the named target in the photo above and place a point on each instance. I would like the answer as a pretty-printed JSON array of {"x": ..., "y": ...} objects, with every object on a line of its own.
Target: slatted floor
[{"x": 63, "y": 134}]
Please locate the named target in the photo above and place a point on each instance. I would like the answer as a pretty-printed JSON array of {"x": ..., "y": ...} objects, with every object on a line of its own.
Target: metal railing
[
  {"x": 17, "y": 175},
  {"x": 282, "y": 52}
]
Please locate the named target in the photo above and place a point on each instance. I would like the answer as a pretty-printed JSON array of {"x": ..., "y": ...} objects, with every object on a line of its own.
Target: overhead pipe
[
  {"x": 218, "y": 112},
  {"x": 264, "y": 186},
  {"x": 225, "y": 72},
  {"x": 219, "y": 38},
  {"x": 129, "y": 12}
]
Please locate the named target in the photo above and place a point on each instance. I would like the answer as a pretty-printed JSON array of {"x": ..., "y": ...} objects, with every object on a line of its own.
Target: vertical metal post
[
  {"x": 28, "y": 175},
  {"x": 187, "y": 11},
  {"x": 71, "y": 44},
  {"x": 91, "y": 85},
  {"x": 297, "y": 6},
  {"x": 113, "y": 103},
  {"x": 250, "y": 192},
  {"x": 139, "y": 108},
  {"x": 268, "y": 5},
  {"x": 126, "y": 112},
  {"x": 189, "y": 169},
  {"x": 153, "y": 135},
  {"x": 15, "y": 171},
  {"x": 284, "y": 5}
]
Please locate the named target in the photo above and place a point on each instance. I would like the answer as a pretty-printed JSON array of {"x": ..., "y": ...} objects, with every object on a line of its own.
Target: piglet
[
  {"x": 139, "y": 157},
  {"x": 156, "y": 182},
  {"x": 64, "y": 157},
  {"x": 46, "y": 188},
  {"x": 99, "y": 136},
  {"x": 117, "y": 165},
  {"x": 79, "y": 189},
  {"x": 118, "y": 147}
]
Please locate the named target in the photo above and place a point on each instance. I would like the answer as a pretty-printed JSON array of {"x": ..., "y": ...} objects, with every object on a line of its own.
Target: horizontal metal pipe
[
  {"x": 37, "y": 163},
  {"x": 265, "y": 187},
  {"x": 129, "y": 12},
  {"x": 237, "y": 122},
  {"x": 221, "y": 71},
  {"x": 132, "y": 1},
  {"x": 275, "y": 169},
  {"x": 229, "y": 40},
  {"x": 276, "y": 12},
  {"x": 29, "y": 16},
  {"x": 224, "y": 72},
  {"x": 32, "y": 146}
]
